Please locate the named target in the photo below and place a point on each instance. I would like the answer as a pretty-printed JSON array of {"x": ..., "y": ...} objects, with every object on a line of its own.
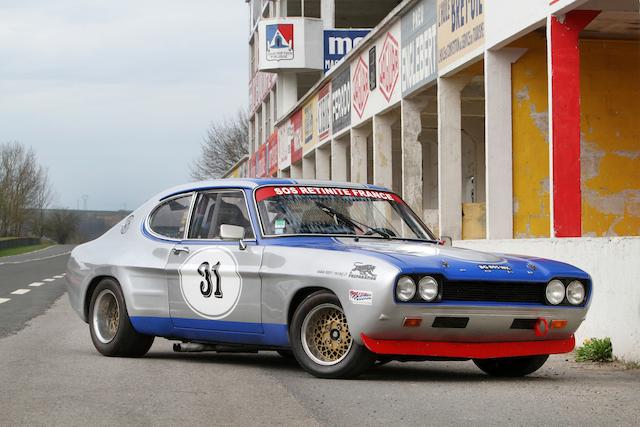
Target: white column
[
  {"x": 498, "y": 141},
  {"x": 450, "y": 155},
  {"x": 323, "y": 162},
  {"x": 339, "y": 160},
  {"x": 309, "y": 167},
  {"x": 359, "y": 154},
  {"x": 296, "y": 170},
  {"x": 412, "y": 179},
  {"x": 382, "y": 151},
  {"x": 328, "y": 13},
  {"x": 287, "y": 92}
]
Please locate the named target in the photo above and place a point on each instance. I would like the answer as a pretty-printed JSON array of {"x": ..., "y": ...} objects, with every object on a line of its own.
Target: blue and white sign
[{"x": 338, "y": 43}]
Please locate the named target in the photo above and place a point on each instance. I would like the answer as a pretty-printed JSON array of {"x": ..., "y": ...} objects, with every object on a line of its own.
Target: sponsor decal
[
  {"x": 389, "y": 66},
  {"x": 269, "y": 192},
  {"x": 360, "y": 297},
  {"x": 419, "y": 47},
  {"x": 361, "y": 270},
  {"x": 494, "y": 267},
  {"x": 279, "y": 40},
  {"x": 341, "y": 100},
  {"x": 210, "y": 282},
  {"x": 360, "y": 87},
  {"x": 338, "y": 43},
  {"x": 324, "y": 112}
]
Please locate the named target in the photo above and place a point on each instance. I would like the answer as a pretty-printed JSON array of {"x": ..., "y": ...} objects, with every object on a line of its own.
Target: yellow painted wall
[
  {"x": 530, "y": 139},
  {"x": 610, "y": 137}
]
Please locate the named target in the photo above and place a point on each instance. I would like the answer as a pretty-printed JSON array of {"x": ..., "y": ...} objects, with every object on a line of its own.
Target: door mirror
[
  {"x": 231, "y": 232},
  {"x": 446, "y": 240}
]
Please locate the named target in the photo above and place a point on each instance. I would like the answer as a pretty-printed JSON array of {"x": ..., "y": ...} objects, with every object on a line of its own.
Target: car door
[{"x": 214, "y": 285}]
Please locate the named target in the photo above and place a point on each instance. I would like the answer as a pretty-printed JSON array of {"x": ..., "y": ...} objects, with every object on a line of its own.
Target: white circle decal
[{"x": 210, "y": 282}]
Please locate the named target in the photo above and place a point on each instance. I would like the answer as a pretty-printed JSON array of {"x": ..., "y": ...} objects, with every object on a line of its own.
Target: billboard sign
[
  {"x": 341, "y": 100},
  {"x": 338, "y": 43},
  {"x": 309, "y": 125},
  {"x": 460, "y": 29},
  {"x": 324, "y": 112},
  {"x": 261, "y": 161},
  {"x": 296, "y": 136},
  {"x": 419, "y": 46},
  {"x": 273, "y": 153}
]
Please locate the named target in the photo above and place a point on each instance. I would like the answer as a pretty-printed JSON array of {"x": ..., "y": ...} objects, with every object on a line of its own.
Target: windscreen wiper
[{"x": 348, "y": 221}]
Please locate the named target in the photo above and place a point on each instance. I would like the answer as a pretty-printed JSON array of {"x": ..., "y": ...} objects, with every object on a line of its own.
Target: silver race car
[{"x": 338, "y": 276}]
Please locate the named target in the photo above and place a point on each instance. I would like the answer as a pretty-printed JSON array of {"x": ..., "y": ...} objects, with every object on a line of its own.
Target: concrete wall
[
  {"x": 610, "y": 137},
  {"x": 530, "y": 121},
  {"x": 613, "y": 265}
]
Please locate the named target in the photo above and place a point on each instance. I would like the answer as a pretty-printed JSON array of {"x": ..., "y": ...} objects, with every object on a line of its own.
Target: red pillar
[{"x": 565, "y": 83}]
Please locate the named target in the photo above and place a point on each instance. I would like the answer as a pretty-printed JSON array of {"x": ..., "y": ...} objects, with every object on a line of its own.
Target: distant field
[{"x": 23, "y": 249}]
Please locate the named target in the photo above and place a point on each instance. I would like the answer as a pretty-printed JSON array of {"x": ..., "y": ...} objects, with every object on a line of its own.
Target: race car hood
[{"x": 461, "y": 264}]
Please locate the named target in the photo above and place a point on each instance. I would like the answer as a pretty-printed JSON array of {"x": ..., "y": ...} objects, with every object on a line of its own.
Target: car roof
[{"x": 251, "y": 183}]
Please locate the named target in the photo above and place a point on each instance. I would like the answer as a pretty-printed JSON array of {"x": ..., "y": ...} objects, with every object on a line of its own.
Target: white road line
[
  {"x": 59, "y": 276},
  {"x": 3, "y": 300},
  {"x": 20, "y": 291},
  {"x": 36, "y": 284},
  {"x": 35, "y": 259},
  {"x": 48, "y": 280}
]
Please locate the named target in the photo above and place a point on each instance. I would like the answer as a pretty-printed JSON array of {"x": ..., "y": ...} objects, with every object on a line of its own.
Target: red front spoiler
[{"x": 468, "y": 350}]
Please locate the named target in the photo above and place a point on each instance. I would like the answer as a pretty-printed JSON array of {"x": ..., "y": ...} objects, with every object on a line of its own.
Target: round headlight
[
  {"x": 555, "y": 292},
  {"x": 575, "y": 292},
  {"x": 405, "y": 289},
  {"x": 428, "y": 288}
]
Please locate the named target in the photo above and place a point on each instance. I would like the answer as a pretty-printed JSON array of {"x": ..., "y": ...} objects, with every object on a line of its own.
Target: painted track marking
[
  {"x": 48, "y": 280},
  {"x": 35, "y": 259},
  {"x": 3, "y": 300},
  {"x": 20, "y": 291},
  {"x": 36, "y": 284},
  {"x": 59, "y": 276}
]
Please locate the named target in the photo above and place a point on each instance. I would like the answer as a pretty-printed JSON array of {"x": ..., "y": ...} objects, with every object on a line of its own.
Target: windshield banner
[{"x": 269, "y": 192}]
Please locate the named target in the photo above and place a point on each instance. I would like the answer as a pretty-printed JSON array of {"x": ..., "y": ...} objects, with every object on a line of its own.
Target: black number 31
[{"x": 206, "y": 287}]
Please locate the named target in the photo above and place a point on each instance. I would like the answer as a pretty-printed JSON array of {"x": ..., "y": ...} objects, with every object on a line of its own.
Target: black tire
[
  {"x": 511, "y": 366},
  {"x": 126, "y": 341},
  {"x": 355, "y": 360},
  {"x": 285, "y": 354}
]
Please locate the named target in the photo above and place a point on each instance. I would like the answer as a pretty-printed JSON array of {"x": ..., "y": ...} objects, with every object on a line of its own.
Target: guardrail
[{"x": 18, "y": 242}]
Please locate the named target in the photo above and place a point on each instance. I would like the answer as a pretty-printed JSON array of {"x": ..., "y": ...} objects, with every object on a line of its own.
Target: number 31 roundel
[{"x": 210, "y": 282}]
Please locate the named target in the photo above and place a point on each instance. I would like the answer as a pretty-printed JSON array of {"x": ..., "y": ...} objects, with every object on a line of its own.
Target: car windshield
[{"x": 300, "y": 210}]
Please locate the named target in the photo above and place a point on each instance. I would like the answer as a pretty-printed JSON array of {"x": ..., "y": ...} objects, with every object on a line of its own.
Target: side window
[
  {"x": 216, "y": 208},
  {"x": 170, "y": 218}
]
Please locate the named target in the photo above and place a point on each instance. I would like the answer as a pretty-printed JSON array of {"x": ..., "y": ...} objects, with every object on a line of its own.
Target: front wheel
[
  {"x": 511, "y": 366},
  {"x": 111, "y": 330},
  {"x": 321, "y": 341}
]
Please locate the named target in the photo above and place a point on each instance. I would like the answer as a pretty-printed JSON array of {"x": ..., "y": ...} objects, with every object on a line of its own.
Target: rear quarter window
[{"x": 169, "y": 219}]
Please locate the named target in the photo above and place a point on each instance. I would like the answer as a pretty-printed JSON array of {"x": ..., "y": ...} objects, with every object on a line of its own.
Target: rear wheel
[
  {"x": 321, "y": 342},
  {"x": 111, "y": 330},
  {"x": 511, "y": 366}
]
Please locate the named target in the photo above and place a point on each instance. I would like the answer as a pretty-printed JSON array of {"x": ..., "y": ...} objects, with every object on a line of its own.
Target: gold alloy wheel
[
  {"x": 106, "y": 316},
  {"x": 325, "y": 335}
]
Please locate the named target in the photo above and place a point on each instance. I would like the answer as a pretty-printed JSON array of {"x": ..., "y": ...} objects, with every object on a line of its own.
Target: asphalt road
[
  {"x": 50, "y": 374},
  {"x": 29, "y": 284}
]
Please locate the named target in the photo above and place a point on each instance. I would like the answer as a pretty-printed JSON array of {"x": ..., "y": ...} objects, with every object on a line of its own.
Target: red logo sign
[
  {"x": 360, "y": 87},
  {"x": 389, "y": 66}
]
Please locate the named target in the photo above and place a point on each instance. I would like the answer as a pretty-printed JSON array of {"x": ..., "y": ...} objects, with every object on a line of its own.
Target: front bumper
[{"x": 468, "y": 350}]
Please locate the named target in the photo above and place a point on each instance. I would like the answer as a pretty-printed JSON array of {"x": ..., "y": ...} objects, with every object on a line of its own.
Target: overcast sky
[{"x": 115, "y": 96}]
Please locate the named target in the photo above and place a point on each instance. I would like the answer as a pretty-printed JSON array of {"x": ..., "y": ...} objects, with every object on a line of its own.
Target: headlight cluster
[
  {"x": 427, "y": 288},
  {"x": 574, "y": 292}
]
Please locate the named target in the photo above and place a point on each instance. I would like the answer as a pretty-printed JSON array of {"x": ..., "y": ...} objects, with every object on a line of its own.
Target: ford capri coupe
[{"x": 339, "y": 276}]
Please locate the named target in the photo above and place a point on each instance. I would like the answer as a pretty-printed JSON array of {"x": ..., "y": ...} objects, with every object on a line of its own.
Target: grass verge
[{"x": 23, "y": 249}]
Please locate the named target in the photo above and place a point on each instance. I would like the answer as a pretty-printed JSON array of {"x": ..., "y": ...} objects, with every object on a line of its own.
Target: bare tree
[
  {"x": 24, "y": 186},
  {"x": 62, "y": 225},
  {"x": 225, "y": 144}
]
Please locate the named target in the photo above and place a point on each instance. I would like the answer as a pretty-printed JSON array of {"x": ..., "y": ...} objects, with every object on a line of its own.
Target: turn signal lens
[
  {"x": 405, "y": 289},
  {"x": 555, "y": 292},
  {"x": 558, "y": 324},
  {"x": 412, "y": 322}
]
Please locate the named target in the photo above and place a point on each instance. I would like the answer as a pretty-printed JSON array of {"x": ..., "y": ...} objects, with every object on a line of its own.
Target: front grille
[{"x": 494, "y": 292}]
